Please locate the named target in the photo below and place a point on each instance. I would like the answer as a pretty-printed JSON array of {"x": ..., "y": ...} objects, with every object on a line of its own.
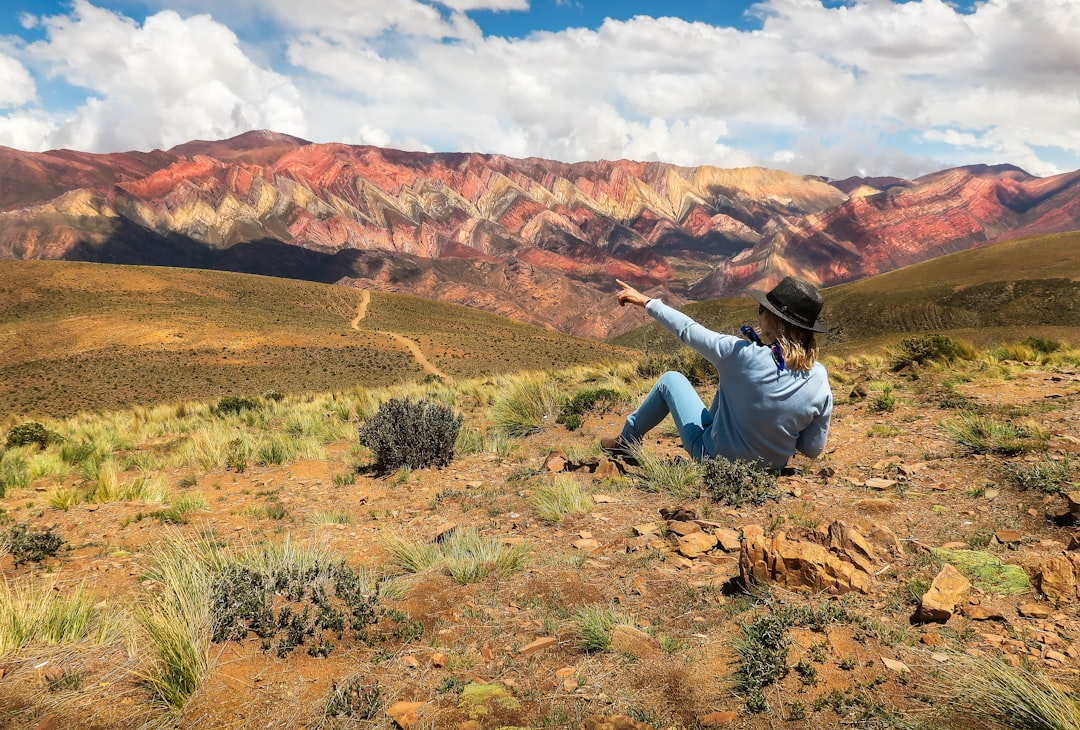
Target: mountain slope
[
  {"x": 538, "y": 240},
  {"x": 1003, "y": 291},
  {"x": 77, "y": 336}
]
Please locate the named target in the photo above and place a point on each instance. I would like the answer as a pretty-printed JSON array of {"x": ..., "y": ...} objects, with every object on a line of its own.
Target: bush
[
  {"x": 232, "y": 404},
  {"x": 415, "y": 434},
  {"x": 924, "y": 348},
  {"x": 292, "y": 606},
  {"x": 1042, "y": 345},
  {"x": 27, "y": 545},
  {"x": 28, "y": 433},
  {"x": 737, "y": 483},
  {"x": 355, "y": 697},
  {"x": 590, "y": 400},
  {"x": 1046, "y": 475}
]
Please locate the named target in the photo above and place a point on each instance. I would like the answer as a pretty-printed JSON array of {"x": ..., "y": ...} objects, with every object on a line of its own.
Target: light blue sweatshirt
[{"x": 759, "y": 413}]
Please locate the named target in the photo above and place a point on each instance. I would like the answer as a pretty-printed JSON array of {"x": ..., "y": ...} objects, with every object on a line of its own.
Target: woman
[{"x": 773, "y": 398}]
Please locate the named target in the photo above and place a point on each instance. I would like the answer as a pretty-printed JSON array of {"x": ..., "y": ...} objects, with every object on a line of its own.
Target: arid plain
[{"x": 198, "y": 462}]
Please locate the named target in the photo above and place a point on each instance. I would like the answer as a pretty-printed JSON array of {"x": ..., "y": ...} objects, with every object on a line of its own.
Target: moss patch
[
  {"x": 479, "y": 699},
  {"x": 986, "y": 571}
]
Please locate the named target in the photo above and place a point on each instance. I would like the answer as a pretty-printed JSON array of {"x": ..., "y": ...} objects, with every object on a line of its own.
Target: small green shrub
[
  {"x": 1042, "y": 345},
  {"x": 414, "y": 434},
  {"x": 354, "y": 698},
  {"x": 1046, "y": 475},
  {"x": 233, "y": 404},
  {"x": 590, "y": 400},
  {"x": 921, "y": 349},
  {"x": 29, "y": 433},
  {"x": 736, "y": 483},
  {"x": 288, "y": 606},
  {"x": 32, "y": 546}
]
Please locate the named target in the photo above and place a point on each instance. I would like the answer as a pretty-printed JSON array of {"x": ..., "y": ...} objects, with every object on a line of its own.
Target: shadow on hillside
[{"x": 136, "y": 246}]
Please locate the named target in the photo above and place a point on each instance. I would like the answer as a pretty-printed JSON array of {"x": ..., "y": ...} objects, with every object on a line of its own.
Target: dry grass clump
[
  {"x": 466, "y": 555},
  {"x": 33, "y": 611},
  {"x": 1016, "y": 698},
  {"x": 560, "y": 497},
  {"x": 526, "y": 403},
  {"x": 980, "y": 434},
  {"x": 679, "y": 477}
]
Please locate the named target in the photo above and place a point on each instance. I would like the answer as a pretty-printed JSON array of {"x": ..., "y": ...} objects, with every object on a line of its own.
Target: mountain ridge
[{"x": 539, "y": 240}]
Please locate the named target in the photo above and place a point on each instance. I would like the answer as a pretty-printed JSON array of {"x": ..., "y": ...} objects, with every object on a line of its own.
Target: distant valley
[{"x": 535, "y": 240}]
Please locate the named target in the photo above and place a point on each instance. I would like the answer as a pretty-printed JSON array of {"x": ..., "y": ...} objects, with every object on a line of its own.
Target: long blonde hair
[{"x": 798, "y": 345}]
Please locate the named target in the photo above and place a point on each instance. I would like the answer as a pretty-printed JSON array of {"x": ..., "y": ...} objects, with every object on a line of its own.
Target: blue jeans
[{"x": 672, "y": 394}]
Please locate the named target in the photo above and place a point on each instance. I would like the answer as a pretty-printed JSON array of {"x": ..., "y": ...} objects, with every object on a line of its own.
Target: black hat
[{"x": 794, "y": 301}]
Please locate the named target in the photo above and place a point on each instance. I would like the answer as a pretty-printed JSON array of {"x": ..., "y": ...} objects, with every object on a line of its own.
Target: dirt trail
[
  {"x": 414, "y": 347},
  {"x": 361, "y": 309}
]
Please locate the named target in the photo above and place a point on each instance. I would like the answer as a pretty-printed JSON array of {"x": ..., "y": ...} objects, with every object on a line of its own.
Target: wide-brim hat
[{"x": 794, "y": 301}]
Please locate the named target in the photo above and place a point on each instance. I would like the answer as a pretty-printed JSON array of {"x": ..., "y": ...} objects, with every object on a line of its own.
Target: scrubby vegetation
[
  {"x": 274, "y": 538},
  {"x": 736, "y": 483},
  {"x": 413, "y": 434}
]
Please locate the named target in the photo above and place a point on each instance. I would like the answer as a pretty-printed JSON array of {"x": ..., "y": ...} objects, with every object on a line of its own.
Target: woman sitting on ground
[{"x": 773, "y": 398}]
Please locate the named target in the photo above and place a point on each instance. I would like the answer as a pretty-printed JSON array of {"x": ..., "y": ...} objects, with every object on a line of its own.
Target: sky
[{"x": 824, "y": 87}]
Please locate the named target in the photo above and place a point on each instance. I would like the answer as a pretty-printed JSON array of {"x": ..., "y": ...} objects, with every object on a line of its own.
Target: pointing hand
[{"x": 631, "y": 295}]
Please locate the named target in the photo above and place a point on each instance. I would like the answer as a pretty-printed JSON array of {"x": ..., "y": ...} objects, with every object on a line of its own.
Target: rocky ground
[{"x": 847, "y": 571}]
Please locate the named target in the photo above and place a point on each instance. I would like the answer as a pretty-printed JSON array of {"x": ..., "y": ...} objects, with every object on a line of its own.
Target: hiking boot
[{"x": 619, "y": 449}]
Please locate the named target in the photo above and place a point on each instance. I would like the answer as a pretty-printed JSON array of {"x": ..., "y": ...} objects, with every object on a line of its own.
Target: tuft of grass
[
  {"x": 594, "y": 626},
  {"x": 276, "y": 449},
  {"x": 560, "y": 497},
  {"x": 332, "y": 517},
  {"x": 14, "y": 473},
  {"x": 1010, "y": 697},
  {"x": 412, "y": 556},
  {"x": 63, "y": 498},
  {"x": 679, "y": 477},
  {"x": 529, "y": 403},
  {"x": 979, "y": 434},
  {"x": 466, "y": 555},
  {"x": 470, "y": 556},
  {"x": 33, "y": 611},
  {"x": 177, "y": 620},
  {"x": 931, "y": 347}
]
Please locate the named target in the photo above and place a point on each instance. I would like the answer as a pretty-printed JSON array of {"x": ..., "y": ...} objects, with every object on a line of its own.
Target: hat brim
[{"x": 761, "y": 299}]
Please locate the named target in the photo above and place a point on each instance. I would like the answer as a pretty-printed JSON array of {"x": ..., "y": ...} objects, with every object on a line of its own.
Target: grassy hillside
[
  {"x": 998, "y": 293},
  {"x": 77, "y": 336}
]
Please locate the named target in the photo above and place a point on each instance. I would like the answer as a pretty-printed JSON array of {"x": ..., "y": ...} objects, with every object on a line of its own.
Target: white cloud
[
  {"x": 17, "y": 86},
  {"x": 165, "y": 82},
  {"x": 26, "y": 130},
  {"x": 868, "y": 86}
]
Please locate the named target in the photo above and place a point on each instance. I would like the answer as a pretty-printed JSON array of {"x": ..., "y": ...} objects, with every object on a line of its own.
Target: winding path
[{"x": 412, "y": 345}]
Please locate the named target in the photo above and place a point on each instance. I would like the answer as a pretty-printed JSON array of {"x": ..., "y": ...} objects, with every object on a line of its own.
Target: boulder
[
  {"x": 404, "y": 714},
  {"x": 695, "y": 544},
  {"x": 1056, "y": 578},
  {"x": 835, "y": 558},
  {"x": 939, "y": 602},
  {"x": 634, "y": 641}
]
